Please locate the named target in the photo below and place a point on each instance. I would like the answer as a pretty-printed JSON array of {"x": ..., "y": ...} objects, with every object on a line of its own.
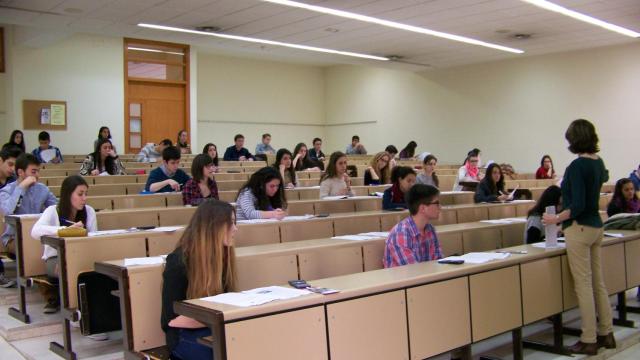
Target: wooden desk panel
[
  {"x": 632, "y": 259},
  {"x": 496, "y": 306},
  {"x": 300, "y": 208},
  {"x": 257, "y": 234},
  {"x": 541, "y": 289},
  {"x": 523, "y": 209},
  {"x": 369, "y": 204},
  {"x": 569, "y": 298},
  {"x": 134, "y": 188},
  {"x": 100, "y": 203},
  {"x": 512, "y": 235},
  {"x": 389, "y": 219},
  {"x": 447, "y": 216},
  {"x": 118, "y": 220},
  {"x": 451, "y": 243},
  {"x": 501, "y": 212},
  {"x": 372, "y": 255},
  {"x": 258, "y": 271},
  {"x": 613, "y": 270},
  {"x": 327, "y": 263},
  {"x": 355, "y": 334},
  {"x": 312, "y": 229},
  {"x": 134, "y": 202},
  {"x": 287, "y": 336},
  {"x": 162, "y": 243},
  {"x": 481, "y": 240},
  {"x": 174, "y": 199},
  {"x": 439, "y": 318},
  {"x": 335, "y": 206},
  {"x": 144, "y": 289},
  {"x": 471, "y": 214},
  {"x": 347, "y": 226}
]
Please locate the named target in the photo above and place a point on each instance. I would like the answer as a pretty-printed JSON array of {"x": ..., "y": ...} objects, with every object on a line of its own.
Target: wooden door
[{"x": 162, "y": 110}]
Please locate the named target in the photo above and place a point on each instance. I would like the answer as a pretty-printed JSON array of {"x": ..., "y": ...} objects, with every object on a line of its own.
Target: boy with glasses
[{"x": 414, "y": 239}]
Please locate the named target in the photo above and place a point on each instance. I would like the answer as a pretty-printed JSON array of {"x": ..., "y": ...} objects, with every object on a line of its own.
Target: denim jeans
[{"x": 188, "y": 347}]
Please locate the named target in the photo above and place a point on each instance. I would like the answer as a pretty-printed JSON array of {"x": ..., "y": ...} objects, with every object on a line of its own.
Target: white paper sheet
[
  {"x": 256, "y": 221},
  {"x": 542, "y": 245},
  {"x": 352, "y": 237},
  {"x": 376, "y": 234},
  {"x": 257, "y": 296},
  {"x": 168, "y": 229},
  {"x": 299, "y": 217},
  {"x": 335, "y": 197},
  {"x": 154, "y": 260},
  {"x": 479, "y": 257},
  {"x": 108, "y": 232},
  {"x": 615, "y": 235},
  {"x": 48, "y": 155}
]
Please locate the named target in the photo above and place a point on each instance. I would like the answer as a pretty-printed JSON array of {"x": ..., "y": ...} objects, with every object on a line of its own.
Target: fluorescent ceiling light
[
  {"x": 393, "y": 24},
  {"x": 263, "y": 41},
  {"x": 582, "y": 17},
  {"x": 153, "y": 50}
]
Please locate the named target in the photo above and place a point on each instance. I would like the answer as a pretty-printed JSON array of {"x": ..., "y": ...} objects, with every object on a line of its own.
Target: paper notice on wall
[{"x": 58, "y": 114}]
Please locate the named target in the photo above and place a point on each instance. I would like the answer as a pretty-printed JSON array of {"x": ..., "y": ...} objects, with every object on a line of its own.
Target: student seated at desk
[
  {"x": 409, "y": 151},
  {"x": 15, "y": 140},
  {"x": 379, "y": 171},
  {"x": 103, "y": 160},
  {"x": 203, "y": 264},
  {"x": 72, "y": 211},
  {"x": 316, "y": 153},
  {"x": 392, "y": 151},
  {"x": 534, "y": 229},
  {"x": 264, "y": 147},
  {"x": 151, "y": 152},
  {"x": 284, "y": 164},
  {"x": 469, "y": 171},
  {"x": 491, "y": 188},
  {"x": 23, "y": 196},
  {"x": 8, "y": 158},
  {"x": 203, "y": 185},
  {"x": 625, "y": 199},
  {"x": 355, "y": 148},
  {"x": 103, "y": 133},
  {"x": 45, "y": 146},
  {"x": 302, "y": 161},
  {"x": 262, "y": 197},
  {"x": 428, "y": 175},
  {"x": 237, "y": 151},
  {"x": 167, "y": 177},
  {"x": 402, "y": 178},
  {"x": 212, "y": 150},
  {"x": 182, "y": 142},
  {"x": 335, "y": 181},
  {"x": 546, "y": 170},
  {"x": 414, "y": 239}
]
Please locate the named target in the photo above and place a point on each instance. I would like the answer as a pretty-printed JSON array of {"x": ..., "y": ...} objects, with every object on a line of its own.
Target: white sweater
[{"x": 49, "y": 224}]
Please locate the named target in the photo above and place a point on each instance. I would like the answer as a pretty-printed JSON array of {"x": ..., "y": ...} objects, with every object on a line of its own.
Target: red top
[{"x": 542, "y": 173}]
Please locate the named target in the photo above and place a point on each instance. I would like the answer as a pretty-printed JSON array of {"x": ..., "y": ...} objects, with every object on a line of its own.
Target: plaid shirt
[
  {"x": 191, "y": 194},
  {"x": 405, "y": 245}
]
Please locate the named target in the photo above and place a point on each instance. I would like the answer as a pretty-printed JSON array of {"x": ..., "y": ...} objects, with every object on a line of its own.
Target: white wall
[
  {"x": 253, "y": 97},
  {"x": 514, "y": 111},
  {"x": 85, "y": 71}
]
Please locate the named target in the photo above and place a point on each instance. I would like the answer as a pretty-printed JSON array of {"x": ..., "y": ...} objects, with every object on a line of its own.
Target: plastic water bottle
[{"x": 551, "y": 230}]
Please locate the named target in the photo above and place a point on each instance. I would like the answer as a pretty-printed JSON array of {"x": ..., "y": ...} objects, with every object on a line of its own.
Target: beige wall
[
  {"x": 514, "y": 111},
  {"x": 253, "y": 97},
  {"x": 83, "y": 70}
]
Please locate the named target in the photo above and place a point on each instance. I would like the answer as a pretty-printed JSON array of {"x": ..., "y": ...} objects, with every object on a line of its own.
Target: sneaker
[
  {"x": 99, "y": 337},
  {"x": 52, "y": 306},
  {"x": 6, "y": 283}
]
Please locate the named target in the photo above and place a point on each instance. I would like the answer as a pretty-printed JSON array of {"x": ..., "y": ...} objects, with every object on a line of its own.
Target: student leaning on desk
[
  {"x": 203, "y": 264},
  {"x": 167, "y": 177}
]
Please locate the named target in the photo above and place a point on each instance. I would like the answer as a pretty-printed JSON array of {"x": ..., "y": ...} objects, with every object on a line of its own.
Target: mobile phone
[
  {"x": 298, "y": 284},
  {"x": 323, "y": 215},
  {"x": 146, "y": 227},
  {"x": 452, "y": 262}
]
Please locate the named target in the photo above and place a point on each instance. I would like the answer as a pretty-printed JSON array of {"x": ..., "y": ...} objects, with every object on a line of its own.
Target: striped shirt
[
  {"x": 246, "y": 206},
  {"x": 406, "y": 245}
]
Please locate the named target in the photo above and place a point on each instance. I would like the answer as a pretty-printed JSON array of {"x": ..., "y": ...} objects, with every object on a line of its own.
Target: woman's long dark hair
[
  {"x": 198, "y": 164},
  {"x": 291, "y": 170},
  {"x": 331, "y": 171},
  {"x": 433, "y": 176},
  {"x": 12, "y": 141},
  {"x": 550, "y": 197},
  {"x": 553, "y": 170},
  {"x": 108, "y": 161},
  {"x": 618, "y": 197},
  {"x": 495, "y": 187},
  {"x": 257, "y": 185},
  {"x": 100, "y": 133},
  {"x": 410, "y": 148},
  {"x": 475, "y": 152},
  {"x": 305, "y": 162},
  {"x": 205, "y": 151},
  {"x": 65, "y": 208}
]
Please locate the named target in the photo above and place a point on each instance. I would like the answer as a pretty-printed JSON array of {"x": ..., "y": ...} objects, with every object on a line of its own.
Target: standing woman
[
  {"x": 202, "y": 185},
  {"x": 546, "y": 170},
  {"x": 103, "y": 133},
  {"x": 335, "y": 181},
  {"x": 212, "y": 150},
  {"x": 402, "y": 178},
  {"x": 583, "y": 233},
  {"x": 103, "y": 159},
  {"x": 302, "y": 161},
  {"x": 624, "y": 200},
  {"x": 15, "y": 140},
  {"x": 379, "y": 171},
  {"x": 262, "y": 197},
  {"x": 409, "y": 151},
  {"x": 284, "y": 165},
  {"x": 183, "y": 143},
  {"x": 202, "y": 265},
  {"x": 428, "y": 175},
  {"x": 72, "y": 211}
]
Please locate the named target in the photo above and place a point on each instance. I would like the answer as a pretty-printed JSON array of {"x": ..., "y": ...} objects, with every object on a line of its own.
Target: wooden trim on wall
[{"x": 2, "y": 53}]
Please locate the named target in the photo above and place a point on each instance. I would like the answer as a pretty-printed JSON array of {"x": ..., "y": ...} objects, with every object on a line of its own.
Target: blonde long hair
[
  {"x": 385, "y": 173},
  {"x": 210, "y": 264}
]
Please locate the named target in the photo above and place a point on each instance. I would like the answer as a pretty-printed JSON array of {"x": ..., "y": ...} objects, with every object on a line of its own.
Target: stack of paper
[
  {"x": 154, "y": 260},
  {"x": 479, "y": 257},
  {"x": 257, "y": 296}
]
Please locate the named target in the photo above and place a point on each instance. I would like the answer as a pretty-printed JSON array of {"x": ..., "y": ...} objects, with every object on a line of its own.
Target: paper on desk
[
  {"x": 154, "y": 260},
  {"x": 379, "y": 194},
  {"x": 504, "y": 221},
  {"x": 257, "y": 296},
  {"x": 479, "y": 257},
  {"x": 542, "y": 245},
  {"x": 335, "y": 197},
  {"x": 48, "y": 155},
  {"x": 108, "y": 232},
  {"x": 299, "y": 217},
  {"x": 256, "y": 221},
  {"x": 104, "y": 173},
  {"x": 166, "y": 229},
  {"x": 352, "y": 237},
  {"x": 516, "y": 220},
  {"x": 376, "y": 234},
  {"x": 615, "y": 235}
]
